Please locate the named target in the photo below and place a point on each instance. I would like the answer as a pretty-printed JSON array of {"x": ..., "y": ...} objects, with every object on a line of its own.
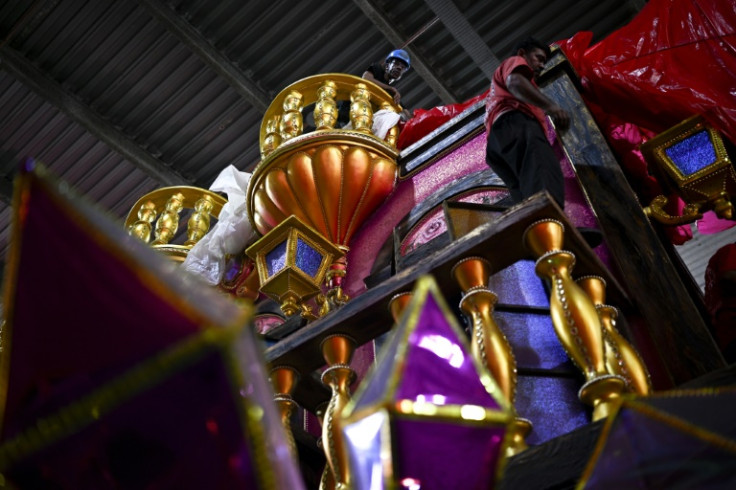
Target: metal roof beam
[
  {"x": 420, "y": 64},
  {"x": 6, "y": 192},
  {"x": 467, "y": 37},
  {"x": 47, "y": 88},
  {"x": 202, "y": 47}
]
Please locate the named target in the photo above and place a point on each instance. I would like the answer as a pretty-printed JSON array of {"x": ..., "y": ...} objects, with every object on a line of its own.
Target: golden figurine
[
  {"x": 292, "y": 124},
  {"x": 338, "y": 352},
  {"x": 199, "y": 222},
  {"x": 621, "y": 357},
  {"x": 325, "y": 110},
  {"x": 574, "y": 316},
  {"x": 488, "y": 342},
  {"x": 361, "y": 113},
  {"x": 168, "y": 222},
  {"x": 272, "y": 140},
  {"x": 284, "y": 379},
  {"x": 142, "y": 227}
]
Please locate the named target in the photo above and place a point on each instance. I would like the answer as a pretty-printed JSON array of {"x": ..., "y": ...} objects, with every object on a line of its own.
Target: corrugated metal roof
[
  {"x": 143, "y": 85},
  {"x": 696, "y": 253}
]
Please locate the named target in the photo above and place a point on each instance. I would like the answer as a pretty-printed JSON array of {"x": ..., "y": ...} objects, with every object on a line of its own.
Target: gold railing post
[
  {"x": 488, "y": 342},
  {"x": 273, "y": 135},
  {"x": 392, "y": 136},
  {"x": 621, "y": 357},
  {"x": 398, "y": 303},
  {"x": 574, "y": 316},
  {"x": 361, "y": 113},
  {"x": 199, "y": 222},
  {"x": 292, "y": 124},
  {"x": 338, "y": 352},
  {"x": 142, "y": 227},
  {"x": 284, "y": 379},
  {"x": 325, "y": 110},
  {"x": 168, "y": 222}
]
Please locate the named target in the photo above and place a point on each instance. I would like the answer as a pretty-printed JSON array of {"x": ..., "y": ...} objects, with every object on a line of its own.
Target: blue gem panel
[
  {"x": 307, "y": 258},
  {"x": 276, "y": 259},
  {"x": 693, "y": 153},
  {"x": 519, "y": 285}
]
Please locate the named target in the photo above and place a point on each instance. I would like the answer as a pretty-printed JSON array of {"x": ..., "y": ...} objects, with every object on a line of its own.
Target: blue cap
[{"x": 399, "y": 54}]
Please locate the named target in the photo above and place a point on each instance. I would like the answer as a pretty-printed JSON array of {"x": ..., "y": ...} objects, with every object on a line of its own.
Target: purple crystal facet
[{"x": 438, "y": 368}]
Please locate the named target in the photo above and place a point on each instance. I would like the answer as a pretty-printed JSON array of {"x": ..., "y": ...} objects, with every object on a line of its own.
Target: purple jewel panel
[
  {"x": 533, "y": 340},
  {"x": 438, "y": 367},
  {"x": 643, "y": 452},
  {"x": 276, "y": 259},
  {"x": 517, "y": 284},
  {"x": 307, "y": 258},
  {"x": 442, "y": 456},
  {"x": 693, "y": 153},
  {"x": 551, "y": 404}
]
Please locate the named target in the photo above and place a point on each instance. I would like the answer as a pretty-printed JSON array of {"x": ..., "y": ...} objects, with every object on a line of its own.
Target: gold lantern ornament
[
  {"x": 690, "y": 159},
  {"x": 292, "y": 260}
]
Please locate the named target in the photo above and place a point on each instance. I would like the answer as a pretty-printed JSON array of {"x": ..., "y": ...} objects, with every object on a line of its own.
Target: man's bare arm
[{"x": 523, "y": 89}]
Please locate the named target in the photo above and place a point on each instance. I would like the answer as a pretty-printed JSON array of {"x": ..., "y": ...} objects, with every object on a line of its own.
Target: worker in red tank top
[{"x": 517, "y": 148}]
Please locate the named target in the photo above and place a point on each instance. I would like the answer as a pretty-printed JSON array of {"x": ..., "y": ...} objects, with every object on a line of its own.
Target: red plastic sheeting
[
  {"x": 424, "y": 121},
  {"x": 676, "y": 58}
]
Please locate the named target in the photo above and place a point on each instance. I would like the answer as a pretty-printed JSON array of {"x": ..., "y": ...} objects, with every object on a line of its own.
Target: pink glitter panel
[
  {"x": 464, "y": 160},
  {"x": 433, "y": 224}
]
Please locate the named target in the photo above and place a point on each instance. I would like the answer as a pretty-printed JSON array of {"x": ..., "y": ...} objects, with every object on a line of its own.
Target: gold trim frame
[{"x": 290, "y": 280}]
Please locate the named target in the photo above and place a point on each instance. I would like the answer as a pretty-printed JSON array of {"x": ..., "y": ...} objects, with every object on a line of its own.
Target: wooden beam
[
  {"x": 47, "y": 88},
  {"x": 679, "y": 332},
  {"x": 215, "y": 59},
  {"x": 418, "y": 62},
  {"x": 464, "y": 34}
]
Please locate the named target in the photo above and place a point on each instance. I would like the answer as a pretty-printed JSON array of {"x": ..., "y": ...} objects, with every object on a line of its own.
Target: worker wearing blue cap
[{"x": 388, "y": 72}]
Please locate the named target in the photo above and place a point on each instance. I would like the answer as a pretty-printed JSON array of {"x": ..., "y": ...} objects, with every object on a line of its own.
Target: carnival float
[{"x": 359, "y": 316}]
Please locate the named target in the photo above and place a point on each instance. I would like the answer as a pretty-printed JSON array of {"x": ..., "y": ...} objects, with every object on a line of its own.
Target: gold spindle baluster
[
  {"x": 574, "y": 316},
  {"x": 284, "y": 379},
  {"x": 393, "y": 134},
  {"x": 142, "y": 227},
  {"x": 488, "y": 342},
  {"x": 398, "y": 303},
  {"x": 199, "y": 222},
  {"x": 272, "y": 139},
  {"x": 621, "y": 357},
  {"x": 327, "y": 481},
  {"x": 338, "y": 352},
  {"x": 168, "y": 222},
  {"x": 361, "y": 112},
  {"x": 325, "y": 111},
  {"x": 291, "y": 122}
]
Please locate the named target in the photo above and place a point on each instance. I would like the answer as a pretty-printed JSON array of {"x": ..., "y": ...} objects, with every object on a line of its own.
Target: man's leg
[
  {"x": 499, "y": 138},
  {"x": 537, "y": 165}
]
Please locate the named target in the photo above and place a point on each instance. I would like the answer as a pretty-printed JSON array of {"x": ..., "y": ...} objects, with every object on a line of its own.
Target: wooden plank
[{"x": 680, "y": 332}]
